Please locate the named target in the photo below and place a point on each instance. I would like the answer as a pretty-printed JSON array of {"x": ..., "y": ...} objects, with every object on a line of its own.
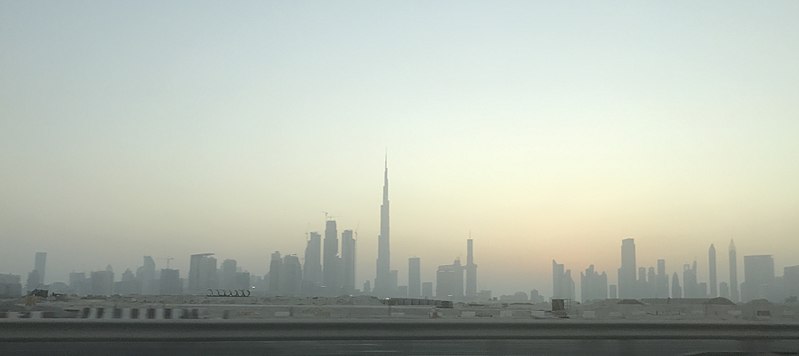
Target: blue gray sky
[{"x": 547, "y": 129}]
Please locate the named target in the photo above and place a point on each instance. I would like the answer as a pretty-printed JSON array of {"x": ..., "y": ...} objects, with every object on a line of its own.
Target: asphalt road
[
  {"x": 381, "y": 337},
  {"x": 405, "y": 347}
]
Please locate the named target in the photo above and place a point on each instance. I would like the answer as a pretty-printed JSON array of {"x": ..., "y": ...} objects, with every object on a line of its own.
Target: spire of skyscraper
[{"x": 383, "y": 277}]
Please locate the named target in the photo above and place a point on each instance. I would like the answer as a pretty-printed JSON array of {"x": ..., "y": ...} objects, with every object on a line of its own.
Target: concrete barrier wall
[{"x": 210, "y": 330}]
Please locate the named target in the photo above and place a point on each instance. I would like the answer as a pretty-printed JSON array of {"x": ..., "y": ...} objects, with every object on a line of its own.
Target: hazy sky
[{"x": 549, "y": 129}]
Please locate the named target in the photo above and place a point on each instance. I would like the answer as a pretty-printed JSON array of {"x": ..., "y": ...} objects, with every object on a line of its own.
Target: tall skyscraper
[
  {"x": 275, "y": 272},
  {"x": 449, "y": 281},
  {"x": 78, "y": 283},
  {"x": 227, "y": 274},
  {"x": 290, "y": 275},
  {"x": 662, "y": 281},
  {"x": 690, "y": 284},
  {"x": 128, "y": 284},
  {"x": 640, "y": 284},
  {"x": 102, "y": 282},
  {"x": 202, "y": 273},
  {"x": 562, "y": 282},
  {"x": 734, "y": 295},
  {"x": 383, "y": 277},
  {"x": 651, "y": 283},
  {"x": 348, "y": 261},
  {"x": 790, "y": 278},
  {"x": 627, "y": 271},
  {"x": 170, "y": 283},
  {"x": 471, "y": 271},
  {"x": 312, "y": 270},
  {"x": 40, "y": 263},
  {"x": 414, "y": 277},
  {"x": 711, "y": 269},
  {"x": 330, "y": 262},
  {"x": 758, "y": 278},
  {"x": 146, "y": 276}
]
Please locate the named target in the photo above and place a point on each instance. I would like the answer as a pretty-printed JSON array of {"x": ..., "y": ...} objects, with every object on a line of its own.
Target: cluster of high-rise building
[
  {"x": 325, "y": 271},
  {"x": 145, "y": 281},
  {"x": 327, "y": 268},
  {"x": 637, "y": 282},
  {"x": 450, "y": 281}
]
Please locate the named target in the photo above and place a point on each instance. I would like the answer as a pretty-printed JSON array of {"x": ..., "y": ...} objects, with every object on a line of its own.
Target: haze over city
[{"x": 542, "y": 130}]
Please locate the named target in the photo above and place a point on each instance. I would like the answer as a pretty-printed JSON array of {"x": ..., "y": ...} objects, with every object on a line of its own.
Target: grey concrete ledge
[{"x": 239, "y": 330}]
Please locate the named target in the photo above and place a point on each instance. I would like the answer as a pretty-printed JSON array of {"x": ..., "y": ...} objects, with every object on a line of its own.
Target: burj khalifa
[{"x": 383, "y": 277}]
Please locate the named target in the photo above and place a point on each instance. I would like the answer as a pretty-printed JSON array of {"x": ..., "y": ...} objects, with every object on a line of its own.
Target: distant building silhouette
[
  {"x": 312, "y": 269},
  {"x": 275, "y": 272},
  {"x": 613, "y": 291},
  {"x": 102, "y": 282},
  {"x": 790, "y": 279},
  {"x": 758, "y": 278},
  {"x": 227, "y": 274},
  {"x": 383, "y": 284},
  {"x": 471, "y": 271},
  {"x": 145, "y": 275},
  {"x": 348, "y": 261},
  {"x": 734, "y": 295},
  {"x": 170, "y": 283},
  {"x": 34, "y": 281},
  {"x": 79, "y": 283},
  {"x": 290, "y": 276},
  {"x": 593, "y": 286},
  {"x": 202, "y": 273},
  {"x": 10, "y": 286},
  {"x": 128, "y": 284},
  {"x": 662, "y": 281},
  {"x": 427, "y": 289},
  {"x": 562, "y": 282},
  {"x": 651, "y": 283},
  {"x": 331, "y": 261},
  {"x": 676, "y": 290},
  {"x": 414, "y": 277},
  {"x": 640, "y": 283},
  {"x": 627, "y": 280},
  {"x": 711, "y": 270},
  {"x": 449, "y": 281},
  {"x": 402, "y": 291},
  {"x": 690, "y": 285}
]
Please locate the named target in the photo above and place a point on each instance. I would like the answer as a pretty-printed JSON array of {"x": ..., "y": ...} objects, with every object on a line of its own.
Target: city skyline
[
  {"x": 286, "y": 277},
  {"x": 342, "y": 270},
  {"x": 332, "y": 250},
  {"x": 548, "y": 130}
]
